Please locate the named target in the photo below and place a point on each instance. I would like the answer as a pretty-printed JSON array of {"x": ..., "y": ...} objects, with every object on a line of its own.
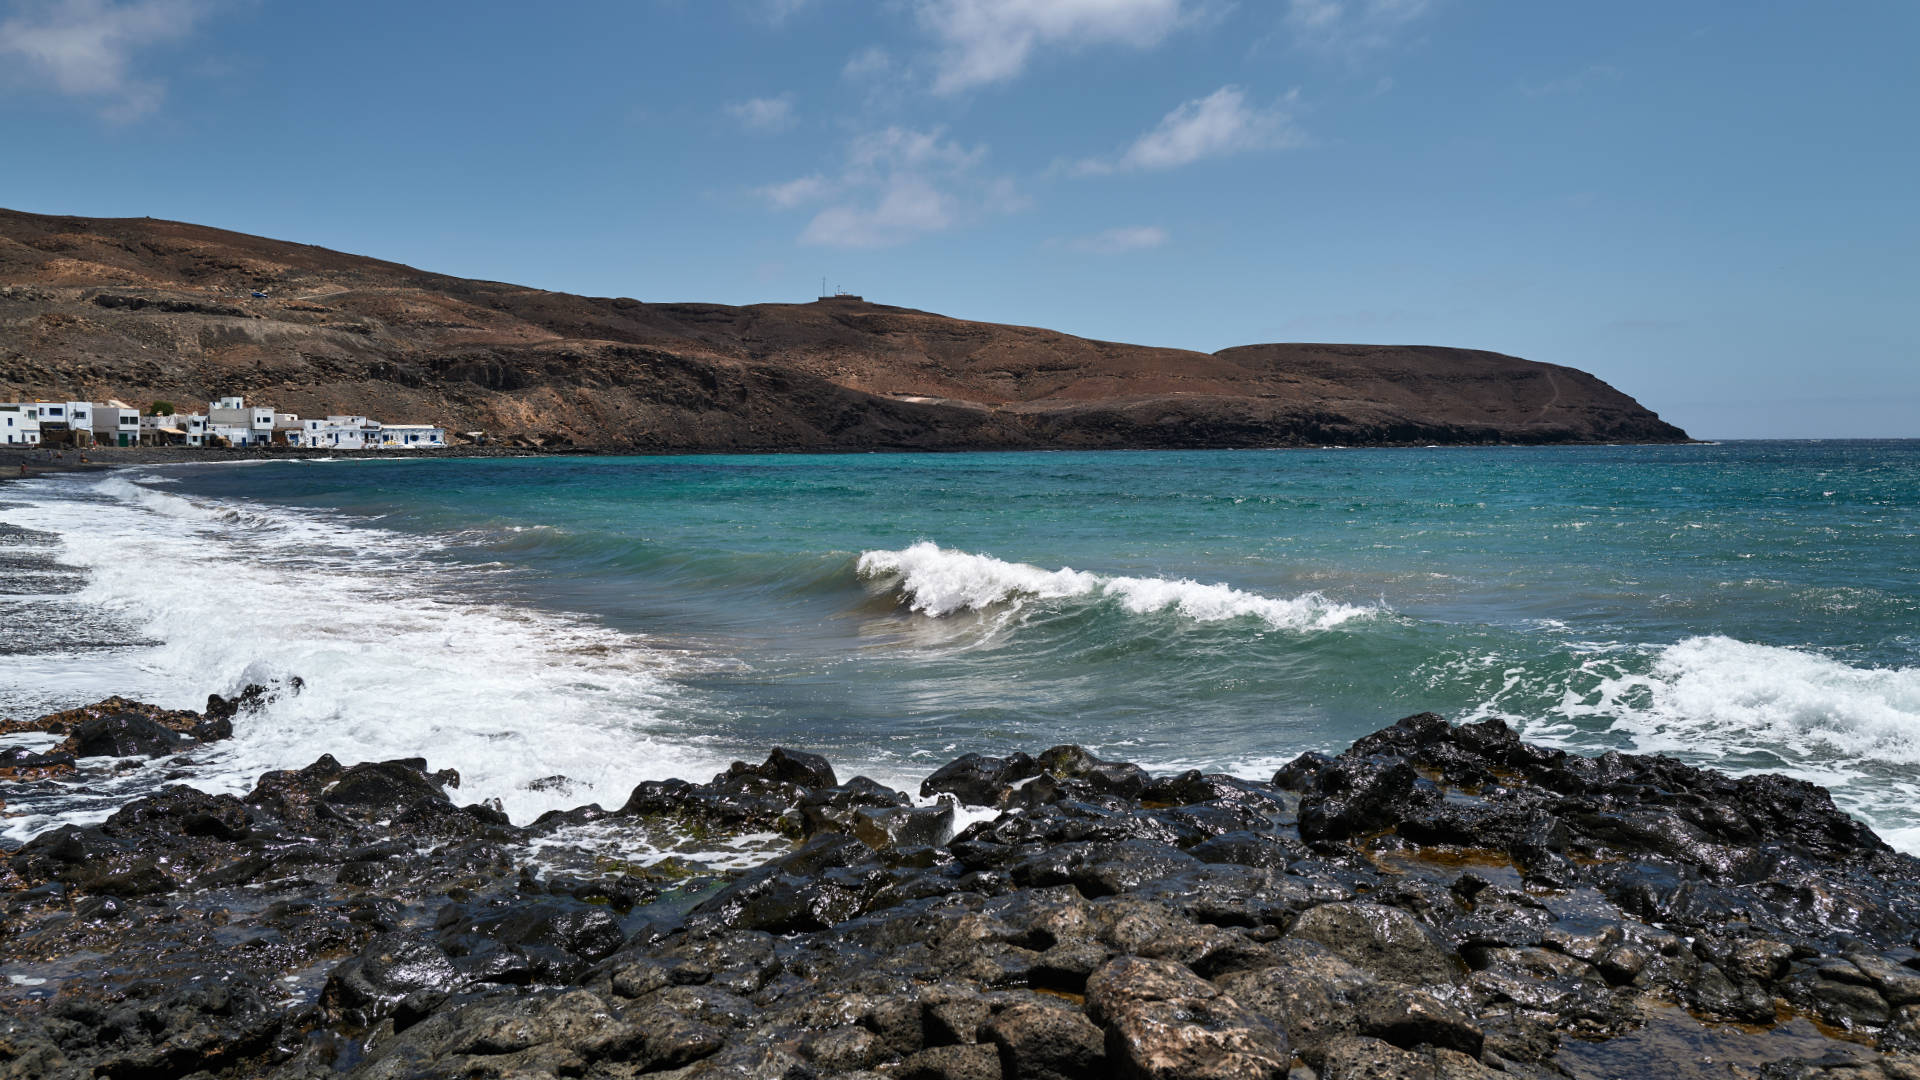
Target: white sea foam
[
  {"x": 939, "y": 581},
  {"x": 1707, "y": 692},
  {"x": 394, "y": 666},
  {"x": 1737, "y": 706}
]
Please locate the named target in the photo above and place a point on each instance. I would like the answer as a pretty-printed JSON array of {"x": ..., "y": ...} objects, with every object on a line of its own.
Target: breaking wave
[
  {"x": 1707, "y": 692},
  {"x": 938, "y": 581},
  {"x": 1733, "y": 705},
  {"x": 400, "y": 657}
]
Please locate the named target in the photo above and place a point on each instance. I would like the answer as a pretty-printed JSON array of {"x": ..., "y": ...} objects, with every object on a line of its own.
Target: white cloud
[
  {"x": 86, "y": 48},
  {"x": 764, "y": 114},
  {"x": 990, "y": 41},
  {"x": 797, "y": 192},
  {"x": 870, "y": 62},
  {"x": 906, "y": 206},
  {"x": 1217, "y": 125},
  {"x": 895, "y": 185},
  {"x": 1351, "y": 26},
  {"x": 1121, "y": 240}
]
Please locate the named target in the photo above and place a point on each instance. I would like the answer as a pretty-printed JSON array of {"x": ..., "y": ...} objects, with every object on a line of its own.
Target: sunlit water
[{"x": 1750, "y": 606}]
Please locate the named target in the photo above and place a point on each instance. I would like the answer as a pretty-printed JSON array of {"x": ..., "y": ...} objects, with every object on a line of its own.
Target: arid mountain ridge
[{"x": 144, "y": 310}]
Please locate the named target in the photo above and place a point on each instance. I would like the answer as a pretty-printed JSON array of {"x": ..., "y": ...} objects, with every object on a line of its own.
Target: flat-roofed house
[
  {"x": 340, "y": 433},
  {"x": 19, "y": 423},
  {"x": 232, "y": 419},
  {"x": 163, "y": 431},
  {"x": 116, "y": 423},
  {"x": 412, "y": 436},
  {"x": 66, "y": 423}
]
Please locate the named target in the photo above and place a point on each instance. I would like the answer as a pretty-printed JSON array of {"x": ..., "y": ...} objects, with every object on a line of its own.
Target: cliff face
[{"x": 143, "y": 310}]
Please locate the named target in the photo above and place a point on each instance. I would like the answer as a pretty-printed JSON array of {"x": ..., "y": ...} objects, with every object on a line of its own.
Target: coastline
[
  {"x": 40, "y": 461},
  {"x": 1437, "y": 901}
]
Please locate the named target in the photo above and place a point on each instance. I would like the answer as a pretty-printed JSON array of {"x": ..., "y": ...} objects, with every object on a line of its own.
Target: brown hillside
[{"x": 143, "y": 310}]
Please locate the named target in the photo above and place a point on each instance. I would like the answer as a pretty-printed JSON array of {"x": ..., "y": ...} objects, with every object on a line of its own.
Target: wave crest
[
  {"x": 938, "y": 581},
  {"x": 1713, "y": 690}
]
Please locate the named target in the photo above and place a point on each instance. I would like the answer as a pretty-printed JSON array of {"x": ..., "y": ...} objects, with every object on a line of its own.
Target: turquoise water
[{"x": 1747, "y": 605}]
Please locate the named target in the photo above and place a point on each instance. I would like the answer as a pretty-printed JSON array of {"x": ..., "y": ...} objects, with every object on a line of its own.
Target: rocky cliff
[{"x": 148, "y": 310}]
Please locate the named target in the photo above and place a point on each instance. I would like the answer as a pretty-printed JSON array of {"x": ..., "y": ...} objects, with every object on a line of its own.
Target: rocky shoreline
[{"x": 1437, "y": 901}]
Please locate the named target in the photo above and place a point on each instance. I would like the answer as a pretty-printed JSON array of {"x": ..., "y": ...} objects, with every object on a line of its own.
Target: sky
[{"x": 1715, "y": 206}]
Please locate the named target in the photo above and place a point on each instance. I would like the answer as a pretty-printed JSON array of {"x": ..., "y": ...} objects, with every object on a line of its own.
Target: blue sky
[{"x": 1714, "y": 206}]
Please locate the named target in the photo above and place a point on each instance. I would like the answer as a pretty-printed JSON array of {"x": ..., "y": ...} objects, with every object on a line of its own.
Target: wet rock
[
  {"x": 1412, "y": 1018},
  {"x": 120, "y": 735},
  {"x": 845, "y": 1049},
  {"x": 391, "y": 967},
  {"x": 979, "y": 780},
  {"x": 1464, "y": 902},
  {"x": 902, "y": 826},
  {"x": 544, "y": 942},
  {"x": 796, "y": 767},
  {"x": 1362, "y": 1058},
  {"x": 1359, "y": 795},
  {"x": 387, "y": 790},
  {"x": 951, "y": 1063},
  {"x": 1121, "y": 778},
  {"x": 1046, "y": 1042},
  {"x": 1164, "y": 1021},
  {"x": 1299, "y": 774},
  {"x": 1383, "y": 941}
]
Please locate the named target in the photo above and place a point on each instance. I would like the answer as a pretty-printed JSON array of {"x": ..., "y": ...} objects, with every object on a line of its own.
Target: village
[{"x": 228, "y": 422}]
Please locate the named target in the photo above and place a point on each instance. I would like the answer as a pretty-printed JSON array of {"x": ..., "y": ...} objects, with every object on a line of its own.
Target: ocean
[{"x": 558, "y": 629}]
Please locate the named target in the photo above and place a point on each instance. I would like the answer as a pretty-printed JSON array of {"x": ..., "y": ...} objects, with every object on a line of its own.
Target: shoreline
[
  {"x": 40, "y": 460},
  {"x": 1436, "y": 901}
]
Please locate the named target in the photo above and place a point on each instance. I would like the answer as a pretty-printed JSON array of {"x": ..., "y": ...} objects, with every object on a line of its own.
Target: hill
[{"x": 147, "y": 310}]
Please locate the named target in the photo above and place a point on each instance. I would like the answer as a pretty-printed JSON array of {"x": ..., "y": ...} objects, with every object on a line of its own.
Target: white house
[
  {"x": 116, "y": 424},
  {"x": 337, "y": 433},
  {"x": 232, "y": 419},
  {"x": 168, "y": 431},
  {"x": 412, "y": 436},
  {"x": 66, "y": 422},
  {"x": 19, "y": 423}
]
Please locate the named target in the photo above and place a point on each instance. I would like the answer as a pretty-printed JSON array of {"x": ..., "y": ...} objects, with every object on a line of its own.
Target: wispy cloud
[
  {"x": 870, "y": 62},
  {"x": 895, "y": 185},
  {"x": 87, "y": 48},
  {"x": 1222, "y": 123},
  {"x": 1352, "y": 27},
  {"x": 776, "y": 12},
  {"x": 990, "y": 41},
  {"x": 764, "y": 114},
  {"x": 1121, "y": 240},
  {"x": 797, "y": 192}
]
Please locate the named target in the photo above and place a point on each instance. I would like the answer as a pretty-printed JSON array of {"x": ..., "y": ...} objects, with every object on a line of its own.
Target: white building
[
  {"x": 232, "y": 419},
  {"x": 412, "y": 436},
  {"x": 19, "y": 423},
  {"x": 170, "y": 431},
  {"x": 69, "y": 423},
  {"x": 116, "y": 424},
  {"x": 337, "y": 433}
]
